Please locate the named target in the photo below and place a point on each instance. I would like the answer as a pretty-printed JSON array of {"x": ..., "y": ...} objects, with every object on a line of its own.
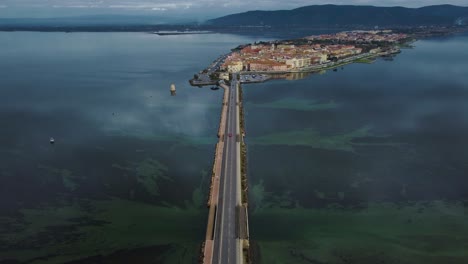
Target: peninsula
[
  {"x": 227, "y": 233},
  {"x": 260, "y": 61}
]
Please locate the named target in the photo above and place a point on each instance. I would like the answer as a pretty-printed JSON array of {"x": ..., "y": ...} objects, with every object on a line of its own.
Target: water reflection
[
  {"x": 363, "y": 165},
  {"x": 129, "y": 168}
]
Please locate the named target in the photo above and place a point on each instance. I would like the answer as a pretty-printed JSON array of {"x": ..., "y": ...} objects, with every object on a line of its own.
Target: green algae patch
[
  {"x": 258, "y": 196},
  {"x": 430, "y": 232},
  {"x": 185, "y": 140},
  {"x": 69, "y": 180},
  {"x": 312, "y": 138},
  {"x": 198, "y": 195},
  {"x": 194, "y": 105},
  {"x": 365, "y": 60},
  {"x": 178, "y": 140},
  {"x": 148, "y": 173},
  {"x": 296, "y": 104},
  {"x": 89, "y": 228}
]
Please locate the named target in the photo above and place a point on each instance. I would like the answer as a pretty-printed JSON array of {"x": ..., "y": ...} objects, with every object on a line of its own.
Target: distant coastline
[
  {"x": 170, "y": 33},
  {"x": 271, "y": 32}
]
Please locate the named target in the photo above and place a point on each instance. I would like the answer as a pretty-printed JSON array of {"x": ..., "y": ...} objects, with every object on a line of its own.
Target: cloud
[
  {"x": 268, "y": 4},
  {"x": 191, "y": 7},
  {"x": 75, "y": 6}
]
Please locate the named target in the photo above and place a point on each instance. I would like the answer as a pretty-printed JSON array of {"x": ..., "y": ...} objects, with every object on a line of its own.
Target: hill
[{"x": 348, "y": 15}]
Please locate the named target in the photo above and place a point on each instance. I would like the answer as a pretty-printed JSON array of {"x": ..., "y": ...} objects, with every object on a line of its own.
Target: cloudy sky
[{"x": 187, "y": 8}]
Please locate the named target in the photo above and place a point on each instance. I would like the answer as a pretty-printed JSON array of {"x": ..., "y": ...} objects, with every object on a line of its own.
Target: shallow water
[
  {"x": 367, "y": 164},
  {"x": 127, "y": 177},
  {"x": 363, "y": 165}
]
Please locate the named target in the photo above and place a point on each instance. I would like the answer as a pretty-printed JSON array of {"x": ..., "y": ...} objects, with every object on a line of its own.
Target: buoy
[{"x": 173, "y": 90}]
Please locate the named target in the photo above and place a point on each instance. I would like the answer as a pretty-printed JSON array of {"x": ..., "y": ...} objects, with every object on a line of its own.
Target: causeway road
[{"x": 226, "y": 248}]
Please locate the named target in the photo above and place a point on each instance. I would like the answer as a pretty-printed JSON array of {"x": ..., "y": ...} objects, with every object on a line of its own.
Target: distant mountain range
[
  {"x": 348, "y": 15},
  {"x": 316, "y": 16}
]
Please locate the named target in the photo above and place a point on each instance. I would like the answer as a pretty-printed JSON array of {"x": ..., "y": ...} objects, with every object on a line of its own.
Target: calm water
[
  {"x": 368, "y": 164},
  {"x": 364, "y": 165},
  {"x": 126, "y": 180}
]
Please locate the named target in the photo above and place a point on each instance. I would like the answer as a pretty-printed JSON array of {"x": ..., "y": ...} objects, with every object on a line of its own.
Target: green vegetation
[
  {"x": 244, "y": 181},
  {"x": 406, "y": 43},
  {"x": 321, "y": 16},
  {"x": 179, "y": 140},
  {"x": 365, "y": 60},
  {"x": 102, "y": 228},
  {"x": 430, "y": 232},
  {"x": 312, "y": 138},
  {"x": 148, "y": 172},
  {"x": 214, "y": 76},
  {"x": 193, "y": 105},
  {"x": 198, "y": 195},
  {"x": 296, "y": 104},
  {"x": 69, "y": 180},
  {"x": 73, "y": 226},
  {"x": 258, "y": 195}
]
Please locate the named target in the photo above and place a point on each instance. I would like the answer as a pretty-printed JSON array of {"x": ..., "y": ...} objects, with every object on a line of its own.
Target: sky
[{"x": 189, "y": 9}]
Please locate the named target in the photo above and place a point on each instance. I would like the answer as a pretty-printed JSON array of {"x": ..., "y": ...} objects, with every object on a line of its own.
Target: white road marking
[{"x": 228, "y": 195}]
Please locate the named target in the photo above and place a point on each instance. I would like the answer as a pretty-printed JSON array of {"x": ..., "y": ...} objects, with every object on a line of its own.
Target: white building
[
  {"x": 235, "y": 66},
  {"x": 298, "y": 62}
]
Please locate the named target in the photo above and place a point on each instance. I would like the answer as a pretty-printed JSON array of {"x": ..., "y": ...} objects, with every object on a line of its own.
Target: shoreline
[
  {"x": 175, "y": 33},
  {"x": 310, "y": 69},
  {"x": 328, "y": 66},
  {"x": 440, "y": 30},
  {"x": 212, "y": 74}
]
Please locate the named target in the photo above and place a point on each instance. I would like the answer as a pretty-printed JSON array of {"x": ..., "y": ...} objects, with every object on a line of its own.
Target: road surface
[{"x": 226, "y": 250}]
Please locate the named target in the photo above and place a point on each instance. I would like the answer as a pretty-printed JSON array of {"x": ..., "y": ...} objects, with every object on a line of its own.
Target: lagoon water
[
  {"x": 126, "y": 180},
  {"x": 364, "y": 165},
  {"x": 367, "y": 164}
]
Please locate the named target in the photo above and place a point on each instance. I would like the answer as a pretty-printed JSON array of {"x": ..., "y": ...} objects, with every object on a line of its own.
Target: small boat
[
  {"x": 214, "y": 88},
  {"x": 335, "y": 69},
  {"x": 52, "y": 140}
]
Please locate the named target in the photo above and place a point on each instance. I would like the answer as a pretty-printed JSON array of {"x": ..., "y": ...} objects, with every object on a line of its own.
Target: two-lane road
[{"x": 225, "y": 243}]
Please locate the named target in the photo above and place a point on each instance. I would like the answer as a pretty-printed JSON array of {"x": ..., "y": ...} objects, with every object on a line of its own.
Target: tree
[{"x": 214, "y": 76}]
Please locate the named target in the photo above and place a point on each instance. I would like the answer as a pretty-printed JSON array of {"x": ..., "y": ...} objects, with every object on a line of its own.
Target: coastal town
[{"x": 308, "y": 54}]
